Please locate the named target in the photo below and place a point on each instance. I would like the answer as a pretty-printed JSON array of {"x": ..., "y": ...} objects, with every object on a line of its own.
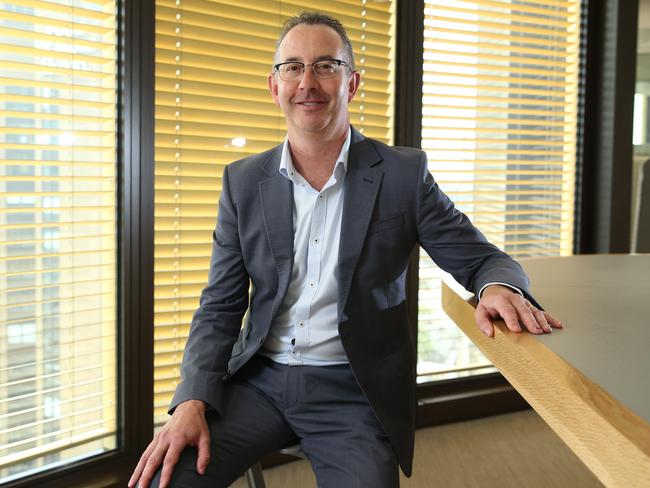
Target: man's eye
[
  {"x": 291, "y": 68},
  {"x": 326, "y": 67}
]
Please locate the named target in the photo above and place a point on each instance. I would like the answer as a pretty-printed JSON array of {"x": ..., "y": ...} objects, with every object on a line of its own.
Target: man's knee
[{"x": 185, "y": 474}]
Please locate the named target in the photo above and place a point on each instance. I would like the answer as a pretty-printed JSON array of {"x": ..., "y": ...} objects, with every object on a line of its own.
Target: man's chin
[{"x": 312, "y": 127}]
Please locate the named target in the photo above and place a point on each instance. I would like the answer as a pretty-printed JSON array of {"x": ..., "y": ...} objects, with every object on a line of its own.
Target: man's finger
[
  {"x": 203, "y": 458},
  {"x": 528, "y": 319},
  {"x": 151, "y": 467},
  {"x": 483, "y": 321},
  {"x": 510, "y": 316},
  {"x": 141, "y": 464},
  {"x": 171, "y": 458},
  {"x": 541, "y": 320},
  {"x": 553, "y": 321}
]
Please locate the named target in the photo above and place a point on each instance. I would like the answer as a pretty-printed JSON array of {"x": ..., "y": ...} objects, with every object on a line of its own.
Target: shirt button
[
  {"x": 301, "y": 324},
  {"x": 311, "y": 284},
  {"x": 316, "y": 241}
]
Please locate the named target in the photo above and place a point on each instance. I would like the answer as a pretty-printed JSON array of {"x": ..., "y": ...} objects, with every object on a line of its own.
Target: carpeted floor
[{"x": 506, "y": 451}]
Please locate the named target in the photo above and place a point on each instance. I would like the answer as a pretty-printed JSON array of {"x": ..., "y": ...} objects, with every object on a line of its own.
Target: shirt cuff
[{"x": 514, "y": 288}]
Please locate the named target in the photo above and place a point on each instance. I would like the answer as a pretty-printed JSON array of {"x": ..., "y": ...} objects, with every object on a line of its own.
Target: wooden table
[{"x": 591, "y": 380}]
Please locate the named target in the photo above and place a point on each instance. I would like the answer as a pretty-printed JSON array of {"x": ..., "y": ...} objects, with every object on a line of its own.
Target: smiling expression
[{"x": 312, "y": 105}]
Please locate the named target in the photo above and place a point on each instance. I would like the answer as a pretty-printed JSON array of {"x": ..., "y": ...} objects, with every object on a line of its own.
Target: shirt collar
[{"x": 288, "y": 170}]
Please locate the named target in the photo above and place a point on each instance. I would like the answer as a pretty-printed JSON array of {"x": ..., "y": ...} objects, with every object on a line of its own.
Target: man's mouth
[{"x": 311, "y": 103}]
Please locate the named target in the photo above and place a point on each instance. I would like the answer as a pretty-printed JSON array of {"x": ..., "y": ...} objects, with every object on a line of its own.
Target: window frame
[
  {"x": 135, "y": 115},
  {"x": 606, "y": 115}
]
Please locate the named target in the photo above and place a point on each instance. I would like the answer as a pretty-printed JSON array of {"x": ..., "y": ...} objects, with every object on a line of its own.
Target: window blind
[
  {"x": 57, "y": 232},
  {"x": 212, "y": 108},
  {"x": 500, "y": 93}
]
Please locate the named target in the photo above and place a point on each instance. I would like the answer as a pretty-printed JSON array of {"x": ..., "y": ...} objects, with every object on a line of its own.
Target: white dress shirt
[{"x": 305, "y": 330}]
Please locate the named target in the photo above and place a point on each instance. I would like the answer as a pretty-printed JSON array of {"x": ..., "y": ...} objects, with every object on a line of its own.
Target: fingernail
[{"x": 486, "y": 331}]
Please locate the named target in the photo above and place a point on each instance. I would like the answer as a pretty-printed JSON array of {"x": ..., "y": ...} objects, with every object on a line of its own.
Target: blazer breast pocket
[{"x": 389, "y": 223}]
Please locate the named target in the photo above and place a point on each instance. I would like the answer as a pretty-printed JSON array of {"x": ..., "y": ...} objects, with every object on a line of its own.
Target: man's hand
[
  {"x": 499, "y": 301},
  {"x": 187, "y": 427}
]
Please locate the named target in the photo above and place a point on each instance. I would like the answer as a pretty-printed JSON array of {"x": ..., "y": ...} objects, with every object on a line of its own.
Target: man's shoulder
[
  {"x": 397, "y": 155},
  {"x": 255, "y": 164}
]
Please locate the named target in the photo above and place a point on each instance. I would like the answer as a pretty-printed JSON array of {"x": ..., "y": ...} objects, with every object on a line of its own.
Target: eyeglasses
[{"x": 323, "y": 70}]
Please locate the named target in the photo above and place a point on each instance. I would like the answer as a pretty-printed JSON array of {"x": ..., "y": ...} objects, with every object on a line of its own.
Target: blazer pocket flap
[{"x": 387, "y": 223}]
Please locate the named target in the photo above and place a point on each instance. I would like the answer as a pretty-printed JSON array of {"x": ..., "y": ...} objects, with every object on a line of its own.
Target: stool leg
[{"x": 255, "y": 477}]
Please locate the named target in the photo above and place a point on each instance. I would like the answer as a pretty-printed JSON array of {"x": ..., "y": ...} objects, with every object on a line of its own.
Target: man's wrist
[
  {"x": 496, "y": 286},
  {"x": 196, "y": 404}
]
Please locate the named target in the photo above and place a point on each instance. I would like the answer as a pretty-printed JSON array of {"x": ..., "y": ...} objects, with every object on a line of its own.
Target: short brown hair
[{"x": 318, "y": 18}]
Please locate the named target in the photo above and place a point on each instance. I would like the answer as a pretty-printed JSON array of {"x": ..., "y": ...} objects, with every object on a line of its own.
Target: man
[{"x": 321, "y": 228}]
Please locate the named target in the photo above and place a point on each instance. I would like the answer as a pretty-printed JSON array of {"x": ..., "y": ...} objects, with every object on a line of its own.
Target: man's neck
[{"x": 314, "y": 157}]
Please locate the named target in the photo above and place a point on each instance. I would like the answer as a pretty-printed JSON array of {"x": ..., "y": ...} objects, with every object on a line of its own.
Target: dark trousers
[{"x": 268, "y": 406}]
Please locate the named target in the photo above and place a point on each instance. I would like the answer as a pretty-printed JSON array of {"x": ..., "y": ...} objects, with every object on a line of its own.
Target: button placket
[
  {"x": 311, "y": 280},
  {"x": 315, "y": 245}
]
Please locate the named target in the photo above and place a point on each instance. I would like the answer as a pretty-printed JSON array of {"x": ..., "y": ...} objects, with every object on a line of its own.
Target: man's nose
[{"x": 308, "y": 79}]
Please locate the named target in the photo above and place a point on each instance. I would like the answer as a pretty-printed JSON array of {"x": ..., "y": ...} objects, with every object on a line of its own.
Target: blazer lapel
[
  {"x": 276, "y": 194},
  {"x": 362, "y": 182}
]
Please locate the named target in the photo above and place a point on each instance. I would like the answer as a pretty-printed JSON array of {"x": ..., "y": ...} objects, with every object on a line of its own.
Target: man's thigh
[
  {"x": 352, "y": 462},
  {"x": 339, "y": 432},
  {"x": 250, "y": 427}
]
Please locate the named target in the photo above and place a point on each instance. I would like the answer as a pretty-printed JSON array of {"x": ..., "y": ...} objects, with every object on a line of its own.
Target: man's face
[{"x": 313, "y": 105}]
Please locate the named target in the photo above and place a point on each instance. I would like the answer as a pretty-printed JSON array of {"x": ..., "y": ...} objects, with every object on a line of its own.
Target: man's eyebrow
[{"x": 327, "y": 57}]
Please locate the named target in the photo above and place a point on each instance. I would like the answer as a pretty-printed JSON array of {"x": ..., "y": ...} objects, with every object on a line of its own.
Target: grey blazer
[{"x": 391, "y": 205}]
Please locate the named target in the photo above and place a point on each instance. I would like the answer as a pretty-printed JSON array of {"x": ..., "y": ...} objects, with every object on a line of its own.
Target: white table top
[
  {"x": 591, "y": 380},
  {"x": 604, "y": 302}
]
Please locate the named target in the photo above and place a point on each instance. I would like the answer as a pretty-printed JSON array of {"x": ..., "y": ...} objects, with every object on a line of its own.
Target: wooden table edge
[{"x": 617, "y": 449}]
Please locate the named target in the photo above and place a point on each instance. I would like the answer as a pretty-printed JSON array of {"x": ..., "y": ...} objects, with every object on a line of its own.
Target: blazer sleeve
[
  {"x": 456, "y": 246},
  {"x": 217, "y": 322}
]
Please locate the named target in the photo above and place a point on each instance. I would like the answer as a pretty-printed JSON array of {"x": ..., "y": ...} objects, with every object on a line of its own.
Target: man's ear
[
  {"x": 353, "y": 85},
  {"x": 273, "y": 88}
]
